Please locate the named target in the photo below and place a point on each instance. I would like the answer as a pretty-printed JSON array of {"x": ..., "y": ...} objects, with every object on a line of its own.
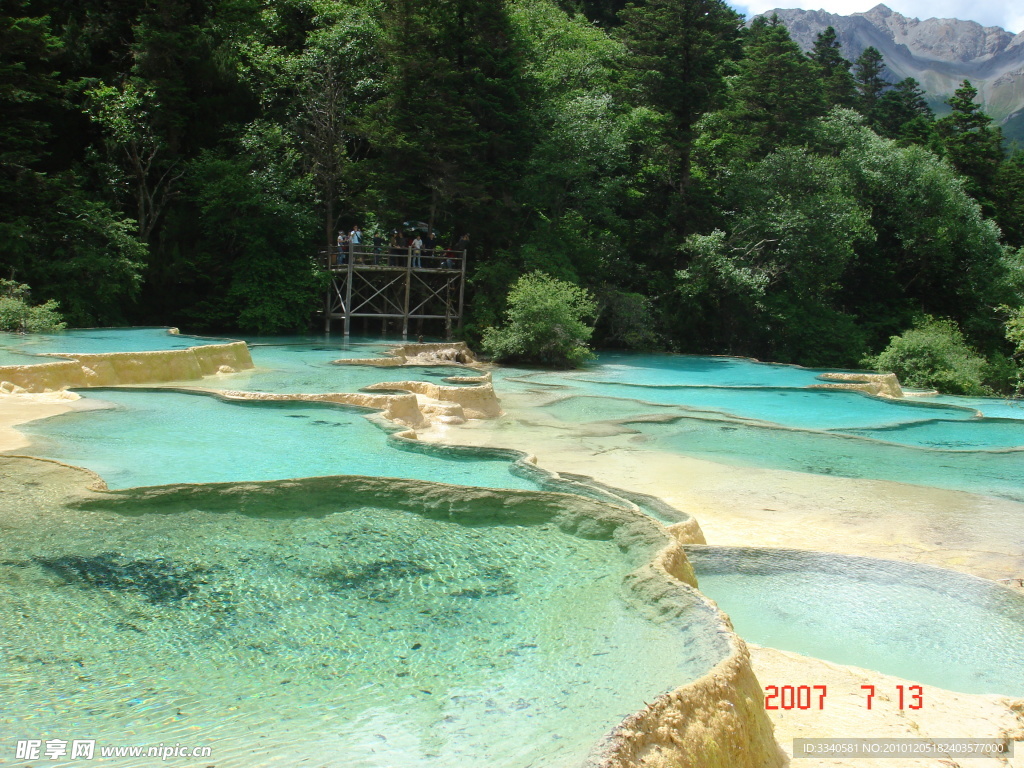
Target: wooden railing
[{"x": 395, "y": 258}]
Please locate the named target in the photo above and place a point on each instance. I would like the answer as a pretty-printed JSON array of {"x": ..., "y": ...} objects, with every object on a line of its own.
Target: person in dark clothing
[
  {"x": 378, "y": 246},
  {"x": 460, "y": 248},
  {"x": 429, "y": 243},
  {"x": 396, "y": 249}
]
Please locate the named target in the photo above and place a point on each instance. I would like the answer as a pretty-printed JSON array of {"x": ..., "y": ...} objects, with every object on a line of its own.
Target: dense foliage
[
  {"x": 18, "y": 314},
  {"x": 548, "y": 321},
  {"x": 713, "y": 187},
  {"x": 933, "y": 354}
]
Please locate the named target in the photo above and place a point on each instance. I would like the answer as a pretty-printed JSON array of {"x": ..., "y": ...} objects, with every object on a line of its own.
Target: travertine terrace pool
[{"x": 233, "y": 583}]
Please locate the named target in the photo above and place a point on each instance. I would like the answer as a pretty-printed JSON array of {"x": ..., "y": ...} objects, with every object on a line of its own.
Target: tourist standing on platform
[
  {"x": 429, "y": 243},
  {"x": 378, "y": 246},
  {"x": 355, "y": 237},
  {"x": 342, "y": 247},
  {"x": 417, "y": 249},
  {"x": 395, "y": 246}
]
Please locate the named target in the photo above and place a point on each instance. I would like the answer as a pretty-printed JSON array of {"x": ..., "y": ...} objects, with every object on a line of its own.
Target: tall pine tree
[
  {"x": 837, "y": 82},
  {"x": 867, "y": 75},
  {"x": 677, "y": 52},
  {"x": 972, "y": 144},
  {"x": 777, "y": 92},
  {"x": 452, "y": 135}
]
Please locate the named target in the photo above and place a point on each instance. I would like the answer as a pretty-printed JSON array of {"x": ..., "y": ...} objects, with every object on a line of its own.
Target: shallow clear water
[
  {"x": 690, "y": 370},
  {"x": 675, "y": 404},
  {"x": 157, "y": 437},
  {"x": 7, "y": 357},
  {"x": 998, "y": 473},
  {"x": 925, "y": 624},
  {"x": 995, "y": 407},
  {"x": 727, "y": 410},
  {"x": 98, "y": 340},
  {"x": 376, "y": 637},
  {"x": 307, "y": 368},
  {"x": 801, "y": 408},
  {"x": 990, "y": 433}
]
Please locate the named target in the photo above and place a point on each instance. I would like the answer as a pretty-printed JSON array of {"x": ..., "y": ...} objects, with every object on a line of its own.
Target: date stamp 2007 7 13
[{"x": 813, "y": 696}]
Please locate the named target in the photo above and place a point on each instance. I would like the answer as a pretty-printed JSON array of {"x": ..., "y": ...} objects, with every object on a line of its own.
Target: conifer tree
[
  {"x": 867, "y": 75},
  {"x": 903, "y": 113},
  {"x": 604, "y": 13},
  {"x": 677, "y": 51},
  {"x": 452, "y": 133},
  {"x": 1010, "y": 198},
  {"x": 834, "y": 70},
  {"x": 972, "y": 144},
  {"x": 777, "y": 92}
]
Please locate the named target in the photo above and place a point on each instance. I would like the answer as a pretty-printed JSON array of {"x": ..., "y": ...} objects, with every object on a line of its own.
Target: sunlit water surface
[
  {"x": 745, "y": 413},
  {"x": 157, "y": 437},
  {"x": 363, "y": 637},
  {"x": 936, "y": 627},
  {"x": 917, "y": 622}
]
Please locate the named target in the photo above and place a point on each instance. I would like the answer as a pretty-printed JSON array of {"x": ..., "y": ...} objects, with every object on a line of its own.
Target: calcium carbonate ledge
[
  {"x": 452, "y": 405},
  {"x": 112, "y": 369}
]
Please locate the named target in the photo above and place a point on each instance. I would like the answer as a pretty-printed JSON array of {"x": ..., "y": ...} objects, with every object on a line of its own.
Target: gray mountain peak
[{"x": 938, "y": 53}]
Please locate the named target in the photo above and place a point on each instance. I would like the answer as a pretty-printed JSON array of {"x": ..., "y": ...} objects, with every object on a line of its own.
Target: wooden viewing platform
[{"x": 394, "y": 284}]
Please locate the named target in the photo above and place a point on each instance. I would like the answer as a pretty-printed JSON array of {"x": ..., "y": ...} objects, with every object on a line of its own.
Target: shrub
[
  {"x": 934, "y": 354},
  {"x": 546, "y": 322},
  {"x": 1015, "y": 335},
  {"x": 16, "y": 314}
]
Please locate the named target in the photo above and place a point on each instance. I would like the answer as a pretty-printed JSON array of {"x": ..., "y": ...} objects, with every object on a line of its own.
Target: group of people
[{"x": 400, "y": 246}]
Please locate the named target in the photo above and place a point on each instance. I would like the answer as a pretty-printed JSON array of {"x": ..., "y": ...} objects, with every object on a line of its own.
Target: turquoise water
[
  {"x": 731, "y": 411},
  {"x": 361, "y": 636},
  {"x": 157, "y": 437},
  {"x": 991, "y": 472},
  {"x": 989, "y": 432},
  {"x": 675, "y": 404},
  {"x": 925, "y": 624},
  {"x": 98, "y": 340},
  {"x": 7, "y": 357},
  {"x": 995, "y": 407},
  {"x": 683, "y": 370},
  {"x": 800, "y": 408},
  {"x": 307, "y": 368}
]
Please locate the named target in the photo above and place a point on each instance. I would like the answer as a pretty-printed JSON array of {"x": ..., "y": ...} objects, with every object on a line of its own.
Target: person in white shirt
[{"x": 417, "y": 250}]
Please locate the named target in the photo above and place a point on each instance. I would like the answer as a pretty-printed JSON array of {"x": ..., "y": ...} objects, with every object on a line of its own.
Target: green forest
[{"x": 710, "y": 187}]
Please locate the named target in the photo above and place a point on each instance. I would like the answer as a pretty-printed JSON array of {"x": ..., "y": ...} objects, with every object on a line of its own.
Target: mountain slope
[{"x": 938, "y": 53}]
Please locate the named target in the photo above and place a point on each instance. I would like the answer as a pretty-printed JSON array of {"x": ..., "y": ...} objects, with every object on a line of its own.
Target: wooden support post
[
  {"x": 327, "y": 301},
  {"x": 408, "y": 286},
  {"x": 447, "y": 309},
  {"x": 348, "y": 297},
  {"x": 462, "y": 286}
]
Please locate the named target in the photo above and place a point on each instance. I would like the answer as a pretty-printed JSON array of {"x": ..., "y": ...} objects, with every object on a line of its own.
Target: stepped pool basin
[
  {"x": 995, "y": 472},
  {"x": 673, "y": 404},
  {"x": 101, "y": 340},
  {"x": 154, "y": 437},
  {"x": 799, "y": 408},
  {"x": 318, "y": 619},
  {"x": 307, "y": 369},
  {"x": 281, "y": 586},
  {"x": 675, "y": 370},
  {"x": 918, "y": 622}
]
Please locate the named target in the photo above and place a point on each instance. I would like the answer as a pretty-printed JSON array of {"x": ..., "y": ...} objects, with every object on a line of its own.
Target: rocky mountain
[{"x": 938, "y": 53}]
